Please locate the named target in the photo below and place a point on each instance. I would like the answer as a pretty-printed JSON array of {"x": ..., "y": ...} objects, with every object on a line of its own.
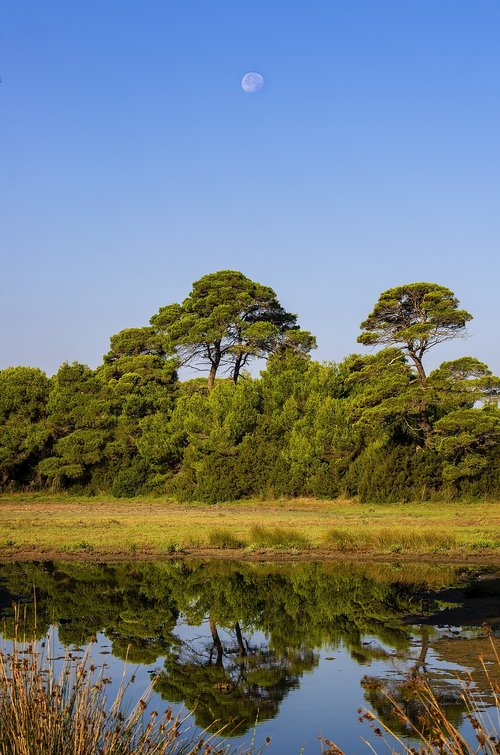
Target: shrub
[{"x": 130, "y": 479}]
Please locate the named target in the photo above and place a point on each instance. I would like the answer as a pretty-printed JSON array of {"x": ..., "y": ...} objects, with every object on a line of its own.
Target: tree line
[{"x": 377, "y": 426}]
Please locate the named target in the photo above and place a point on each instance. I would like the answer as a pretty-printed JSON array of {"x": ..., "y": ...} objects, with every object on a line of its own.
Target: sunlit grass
[
  {"x": 69, "y": 525},
  {"x": 396, "y": 539},
  {"x": 278, "y": 537},
  {"x": 223, "y": 538}
]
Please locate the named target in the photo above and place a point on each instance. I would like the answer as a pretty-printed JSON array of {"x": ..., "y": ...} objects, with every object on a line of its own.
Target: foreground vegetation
[
  {"x": 66, "y": 711},
  {"x": 422, "y": 716},
  {"x": 377, "y": 427},
  {"x": 49, "y": 527}
]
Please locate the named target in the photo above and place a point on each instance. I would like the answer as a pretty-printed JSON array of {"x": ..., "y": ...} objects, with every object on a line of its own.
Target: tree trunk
[
  {"x": 237, "y": 368},
  {"x": 422, "y": 377},
  {"x": 423, "y": 423},
  {"x": 216, "y": 639},
  {"x": 239, "y": 638},
  {"x": 211, "y": 377},
  {"x": 214, "y": 356}
]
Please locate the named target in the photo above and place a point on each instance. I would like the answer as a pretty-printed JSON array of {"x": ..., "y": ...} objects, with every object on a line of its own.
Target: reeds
[{"x": 60, "y": 707}]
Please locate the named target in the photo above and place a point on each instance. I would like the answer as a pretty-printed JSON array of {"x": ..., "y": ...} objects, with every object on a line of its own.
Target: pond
[{"x": 289, "y": 651}]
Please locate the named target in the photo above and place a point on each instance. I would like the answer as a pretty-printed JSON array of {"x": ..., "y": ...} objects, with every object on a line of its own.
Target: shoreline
[{"x": 262, "y": 555}]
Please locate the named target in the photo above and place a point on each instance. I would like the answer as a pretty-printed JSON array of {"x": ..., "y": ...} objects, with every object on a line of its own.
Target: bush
[
  {"x": 129, "y": 481},
  {"x": 390, "y": 474}
]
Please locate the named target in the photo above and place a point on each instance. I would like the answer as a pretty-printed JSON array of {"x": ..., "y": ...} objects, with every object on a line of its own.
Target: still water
[{"x": 297, "y": 648}]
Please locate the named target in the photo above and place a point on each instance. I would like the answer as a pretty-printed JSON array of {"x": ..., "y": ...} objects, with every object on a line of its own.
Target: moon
[{"x": 252, "y": 82}]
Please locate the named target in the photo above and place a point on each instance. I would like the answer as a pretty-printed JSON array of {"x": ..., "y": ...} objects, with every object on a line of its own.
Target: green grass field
[{"x": 59, "y": 525}]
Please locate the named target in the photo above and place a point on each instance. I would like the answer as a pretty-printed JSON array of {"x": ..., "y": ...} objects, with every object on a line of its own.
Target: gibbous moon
[{"x": 252, "y": 82}]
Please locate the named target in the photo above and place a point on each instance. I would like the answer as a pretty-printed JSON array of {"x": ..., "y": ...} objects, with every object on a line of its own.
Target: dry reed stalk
[{"x": 67, "y": 713}]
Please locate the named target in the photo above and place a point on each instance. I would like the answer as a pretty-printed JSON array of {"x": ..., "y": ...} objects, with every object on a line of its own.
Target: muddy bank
[{"x": 258, "y": 555}]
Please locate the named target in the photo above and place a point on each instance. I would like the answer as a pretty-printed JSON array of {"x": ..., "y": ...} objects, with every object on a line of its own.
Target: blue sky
[{"x": 132, "y": 163}]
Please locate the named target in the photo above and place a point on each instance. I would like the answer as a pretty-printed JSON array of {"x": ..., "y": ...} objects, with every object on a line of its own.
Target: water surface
[{"x": 296, "y": 647}]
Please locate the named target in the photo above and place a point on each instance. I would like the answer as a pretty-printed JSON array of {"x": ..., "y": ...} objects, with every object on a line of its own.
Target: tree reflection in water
[
  {"x": 230, "y": 678},
  {"x": 262, "y": 625}
]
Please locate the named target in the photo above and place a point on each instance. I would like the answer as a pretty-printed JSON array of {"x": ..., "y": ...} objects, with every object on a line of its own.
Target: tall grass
[
  {"x": 396, "y": 539},
  {"x": 48, "y": 712},
  {"x": 278, "y": 537},
  {"x": 224, "y": 538}
]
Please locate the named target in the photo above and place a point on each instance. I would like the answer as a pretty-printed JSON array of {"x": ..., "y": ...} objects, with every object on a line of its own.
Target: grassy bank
[{"x": 39, "y": 526}]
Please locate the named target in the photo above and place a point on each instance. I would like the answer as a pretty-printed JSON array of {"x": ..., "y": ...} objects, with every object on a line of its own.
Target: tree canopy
[
  {"x": 416, "y": 316},
  {"x": 226, "y": 321}
]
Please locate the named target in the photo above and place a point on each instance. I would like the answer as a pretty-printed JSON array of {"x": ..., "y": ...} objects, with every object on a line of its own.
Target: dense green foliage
[{"x": 376, "y": 426}]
